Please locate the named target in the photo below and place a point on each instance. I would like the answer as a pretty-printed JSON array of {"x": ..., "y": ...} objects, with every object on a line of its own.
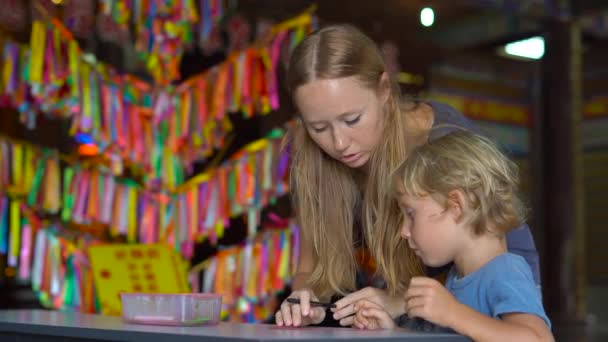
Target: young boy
[{"x": 458, "y": 196}]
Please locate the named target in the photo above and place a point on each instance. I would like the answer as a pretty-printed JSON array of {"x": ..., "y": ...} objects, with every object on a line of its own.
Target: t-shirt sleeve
[{"x": 514, "y": 291}]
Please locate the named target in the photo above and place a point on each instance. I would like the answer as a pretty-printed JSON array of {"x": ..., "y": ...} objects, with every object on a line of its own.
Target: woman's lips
[{"x": 351, "y": 157}]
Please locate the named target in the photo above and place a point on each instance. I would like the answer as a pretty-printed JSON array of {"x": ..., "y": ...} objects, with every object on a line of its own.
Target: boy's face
[{"x": 431, "y": 230}]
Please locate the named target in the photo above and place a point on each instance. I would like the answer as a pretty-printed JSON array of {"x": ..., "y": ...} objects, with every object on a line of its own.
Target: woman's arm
[{"x": 305, "y": 265}]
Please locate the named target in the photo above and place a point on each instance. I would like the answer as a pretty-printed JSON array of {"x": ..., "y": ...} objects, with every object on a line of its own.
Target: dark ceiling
[{"x": 463, "y": 25}]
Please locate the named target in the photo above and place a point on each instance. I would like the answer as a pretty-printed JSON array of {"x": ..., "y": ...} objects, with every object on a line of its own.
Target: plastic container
[{"x": 171, "y": 309}]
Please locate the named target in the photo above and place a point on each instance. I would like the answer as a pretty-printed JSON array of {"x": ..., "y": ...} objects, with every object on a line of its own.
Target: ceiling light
[
  {"x": 530, "y": 48},
  {"x": 427, "y": 16}
]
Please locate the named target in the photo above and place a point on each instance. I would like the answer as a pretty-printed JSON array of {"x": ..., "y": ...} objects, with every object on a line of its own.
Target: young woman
[{"x": 353, "y": 130}]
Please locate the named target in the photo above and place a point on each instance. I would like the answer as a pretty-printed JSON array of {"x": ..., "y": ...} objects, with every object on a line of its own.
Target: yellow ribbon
[
  {"x": 17, "y": 166},
  {"x": 132, "y": 223},
  {"x": 301, "y": 20},
  {"x": 37, "y": 46},
  {"x": 87, "y": 110},
  {"x": 15, "y": 235}
]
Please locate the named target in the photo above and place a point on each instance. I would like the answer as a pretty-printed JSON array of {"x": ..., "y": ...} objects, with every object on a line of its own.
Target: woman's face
[{"x": 343, "y": 117}]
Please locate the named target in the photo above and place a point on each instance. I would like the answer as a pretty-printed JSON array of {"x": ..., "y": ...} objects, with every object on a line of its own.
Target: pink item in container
[{"x": 171, "y": 309}]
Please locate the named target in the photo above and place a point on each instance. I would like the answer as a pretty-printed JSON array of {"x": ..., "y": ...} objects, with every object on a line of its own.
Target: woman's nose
[{"x": 341, "y": 142}]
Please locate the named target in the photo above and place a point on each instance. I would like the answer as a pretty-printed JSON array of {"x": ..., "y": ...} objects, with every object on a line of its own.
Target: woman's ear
[
  {"x": 384, "y": 88},
  {"x": 457, "y": 204}
]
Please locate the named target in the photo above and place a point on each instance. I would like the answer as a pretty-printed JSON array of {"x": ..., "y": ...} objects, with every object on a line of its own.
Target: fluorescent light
[
  {"x": 427, "y": 16},
  {"x": 532, "y": 48}
]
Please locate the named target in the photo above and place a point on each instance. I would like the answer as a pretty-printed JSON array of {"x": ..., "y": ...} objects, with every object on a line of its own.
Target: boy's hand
[
  {"x": 344, "y": 310},
  {"x": 372, "y": 316},
  {"x": 428, "y": 299}
]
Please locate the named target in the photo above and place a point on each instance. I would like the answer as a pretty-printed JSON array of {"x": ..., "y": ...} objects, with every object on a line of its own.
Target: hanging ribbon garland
[
  {"x": 54, "y": 259},
  {"x": 49, "y": 256},
  {"x": 244, "y": 185},
  {"x": 249, "y": 275},
  {"x": 61, "y": 274},
  {"x": 198, "y": 210},
  {"x": 161, "y": 131},
  {"x": 163, "y": 30},
  {"x": 30, "y": 173}
]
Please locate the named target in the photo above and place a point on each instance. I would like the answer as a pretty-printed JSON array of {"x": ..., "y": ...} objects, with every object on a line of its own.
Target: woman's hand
[
  {"x": 299, "y": 315},
  {"x": 372, "y": 316},
  {"x": 345, "y": 309}
]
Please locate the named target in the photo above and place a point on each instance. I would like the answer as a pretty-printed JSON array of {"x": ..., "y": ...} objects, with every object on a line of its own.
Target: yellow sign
[{"x": 135, "y": 268}]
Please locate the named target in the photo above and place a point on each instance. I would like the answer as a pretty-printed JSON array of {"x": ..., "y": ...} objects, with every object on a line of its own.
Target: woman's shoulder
[{"x": 446, "y": 119}]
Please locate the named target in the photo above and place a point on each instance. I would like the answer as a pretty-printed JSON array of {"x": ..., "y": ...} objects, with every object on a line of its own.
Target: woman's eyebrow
[
  {"x": 341, "y": 116},
  {"x": 315, "y": 122},
  {"x": 351, "y": 112}
]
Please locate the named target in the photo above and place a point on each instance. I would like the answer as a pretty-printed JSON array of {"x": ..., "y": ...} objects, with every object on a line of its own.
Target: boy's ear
[{"x": 456, "y": 204}]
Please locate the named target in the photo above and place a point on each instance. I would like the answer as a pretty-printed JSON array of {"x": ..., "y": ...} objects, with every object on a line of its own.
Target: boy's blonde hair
[{"x": 470, "y": 163}]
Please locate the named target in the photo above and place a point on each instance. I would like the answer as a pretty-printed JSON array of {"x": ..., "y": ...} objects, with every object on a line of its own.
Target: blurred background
[{"x": 140, "y": 141}]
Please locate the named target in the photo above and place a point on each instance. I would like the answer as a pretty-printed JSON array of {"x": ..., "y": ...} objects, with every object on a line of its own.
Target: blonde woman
[
  {"x": 458, "y": 196},
  {"x": 353, "y": 131}
]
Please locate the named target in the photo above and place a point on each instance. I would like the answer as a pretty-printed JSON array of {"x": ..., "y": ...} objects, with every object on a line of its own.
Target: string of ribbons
[
  {"x": 200, "y": 210},
  {"x": 159, "y": 130}
]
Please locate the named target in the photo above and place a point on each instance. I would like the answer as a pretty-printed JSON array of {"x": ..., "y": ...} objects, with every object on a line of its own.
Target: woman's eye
[
  {"x": 319, "y": 129},
  {"x": 353, "y": 121}
]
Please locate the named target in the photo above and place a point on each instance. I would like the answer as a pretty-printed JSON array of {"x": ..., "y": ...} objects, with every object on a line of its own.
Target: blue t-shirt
[
  {"x": 504, "y": 285},
  {"x": 519, "y": 241}
]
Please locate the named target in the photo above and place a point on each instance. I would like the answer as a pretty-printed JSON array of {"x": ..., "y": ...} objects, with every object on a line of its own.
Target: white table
[{"x": 42, "y": 325}]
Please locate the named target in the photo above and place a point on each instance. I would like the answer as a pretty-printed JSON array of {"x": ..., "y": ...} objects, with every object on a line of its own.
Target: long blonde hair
[{"x": 326, "y": 193}]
